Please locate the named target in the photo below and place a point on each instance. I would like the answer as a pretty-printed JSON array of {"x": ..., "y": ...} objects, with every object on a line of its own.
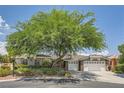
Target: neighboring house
[
  {"x": 113, "y": 61},
  {"x": 34, "y": 60},
  {"x": 73, "y": 62}
]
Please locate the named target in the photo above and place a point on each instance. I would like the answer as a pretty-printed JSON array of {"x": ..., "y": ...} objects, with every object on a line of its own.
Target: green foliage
[
  {"x": 46, "y": 63},
  {"x": 4, "y": 59},
  {"x": 119, "y": 68},
  {"x": 4, "y": 72},
  {"x": 58, "y": 31},
  {"x": 24, "y": 71},
  {"x": 121, "y": 57},
  {"x": 68, "y": 74},
  {"x": 5, "y": 67},
  {"x": 21, "y": 66},
  {"x": 38, "y": 71},
  {"x": 49, "y": 71},
  {"x": 121, "y": 48}
]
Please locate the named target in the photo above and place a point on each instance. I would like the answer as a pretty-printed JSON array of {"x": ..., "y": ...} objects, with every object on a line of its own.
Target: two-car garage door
[
  {"x": 94, "y": 65},
  {"x": 87, "y": 65}
]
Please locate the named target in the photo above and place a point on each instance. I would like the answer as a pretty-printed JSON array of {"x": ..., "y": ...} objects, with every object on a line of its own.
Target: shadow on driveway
[
  {"x": 89, "y": 76},
  {"x": 119, "y": 75},
  {"x": 86, "y": 76}
]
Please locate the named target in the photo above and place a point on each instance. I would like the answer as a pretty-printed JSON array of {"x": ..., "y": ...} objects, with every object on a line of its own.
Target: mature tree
[
  {"x": 121, "y": 50},
  {"x": 58, "y": 32}
]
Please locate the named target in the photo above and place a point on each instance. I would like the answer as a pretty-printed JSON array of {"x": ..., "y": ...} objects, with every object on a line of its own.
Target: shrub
[
  {"x": 68, "y": 74},
  {"x": 4, "y": 72},
  {"x": 39, "y": 71},
  {"x": 47, "y": 71},
  {"x": 46, "y": 63},
  {"x": 36, "y": 72},
  {"x": 24, "y": 71},
  {"x": 119, "y": 68},
  {"x": 61, "y": 73},
  {"x": 21, "y": 66},
  {"x": 6, "y": 67}
]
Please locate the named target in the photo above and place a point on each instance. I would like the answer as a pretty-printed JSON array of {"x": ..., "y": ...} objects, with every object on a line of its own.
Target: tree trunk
[{"x": 57, "y": 60}]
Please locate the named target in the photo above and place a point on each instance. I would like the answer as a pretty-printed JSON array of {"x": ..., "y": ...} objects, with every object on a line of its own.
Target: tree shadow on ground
[
  {"x": 50, "y": 80},
  {"x": 89, "y": 76},
  {"x": 119, "y": 75},
  {"x": 86, "y": 76}
]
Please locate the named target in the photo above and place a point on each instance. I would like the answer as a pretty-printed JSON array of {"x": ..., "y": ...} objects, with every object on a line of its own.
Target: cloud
[
  {"x": 83, "y": 53},
  {"x": 104, "y": 53},
  {"x": 1, "y": 33},
  {"x": 5, "y": 29},
  {"x": 3, "y": 24},
  {"x": 3, "y": 50}
]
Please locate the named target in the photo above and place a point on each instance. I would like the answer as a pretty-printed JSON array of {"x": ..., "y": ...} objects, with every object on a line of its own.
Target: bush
[
  {"x": 46, "y": 63},
  {"x": 24, "y": 71},
  {"x": 21, "y": 66},
  {"x": 5, "y": 67},
  {"x": 68, "y": 74},
  {"x": 119, "y": 68},
  {"x": 39, "y": 71},
  {"x": 50, "y": 72},
  {"x": 4, "y": 72},
  {"x": 36, "y": 72},
  {"x": 47, "y": 71}
]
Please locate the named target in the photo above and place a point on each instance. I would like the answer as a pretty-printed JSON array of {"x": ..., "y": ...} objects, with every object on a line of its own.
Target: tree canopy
[
  {"x": 121, "y": 50},
  {"x": 58, "y": 31}
]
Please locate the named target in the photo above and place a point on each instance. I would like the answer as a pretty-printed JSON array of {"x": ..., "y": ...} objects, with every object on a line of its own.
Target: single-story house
[{"x": 74, "y": 62}]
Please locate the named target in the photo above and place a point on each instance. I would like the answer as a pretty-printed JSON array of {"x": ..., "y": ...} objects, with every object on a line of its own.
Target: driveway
[
  {"x": 101, "y": 76},
  {"x": 111, "y": 77}
]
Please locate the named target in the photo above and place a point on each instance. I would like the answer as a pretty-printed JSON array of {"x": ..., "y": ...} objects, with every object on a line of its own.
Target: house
[
  {"x": 87, "y": 63},
  {"x": 74, "y": 62}
]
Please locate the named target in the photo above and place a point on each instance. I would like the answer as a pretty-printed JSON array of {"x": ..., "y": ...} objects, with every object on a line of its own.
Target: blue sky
[{"x": 109, "y": 20}]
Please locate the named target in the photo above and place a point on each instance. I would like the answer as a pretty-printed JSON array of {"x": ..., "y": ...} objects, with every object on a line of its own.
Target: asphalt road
[{"x": 41, "y": 84}]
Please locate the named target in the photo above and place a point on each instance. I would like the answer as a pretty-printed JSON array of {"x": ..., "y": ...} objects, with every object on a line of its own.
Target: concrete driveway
[
  {"x": 106, "y": 76},
  {"x": 102, "y": 76}
]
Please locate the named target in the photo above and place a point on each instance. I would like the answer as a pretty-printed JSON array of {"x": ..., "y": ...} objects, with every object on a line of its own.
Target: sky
[{"x": 109, "y": 20}]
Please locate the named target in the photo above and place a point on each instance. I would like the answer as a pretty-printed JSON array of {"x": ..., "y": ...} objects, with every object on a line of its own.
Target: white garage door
[
  {"x": 73, "y": 66},
  {"x": 94, "y": 65}
]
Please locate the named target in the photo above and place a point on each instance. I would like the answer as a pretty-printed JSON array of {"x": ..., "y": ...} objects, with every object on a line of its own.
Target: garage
[
  {"x": 73, "y": 65},
  {"x": 94, "y": 66}
]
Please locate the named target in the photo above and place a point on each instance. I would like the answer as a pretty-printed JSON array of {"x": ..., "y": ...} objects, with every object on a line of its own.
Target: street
[{"x": 41, "y": 84}]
